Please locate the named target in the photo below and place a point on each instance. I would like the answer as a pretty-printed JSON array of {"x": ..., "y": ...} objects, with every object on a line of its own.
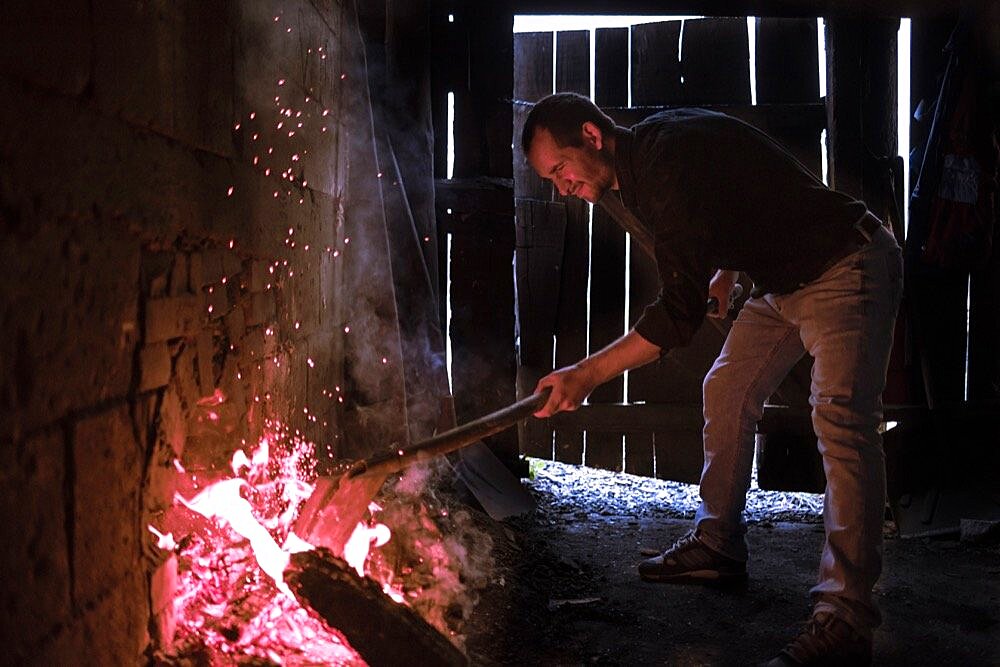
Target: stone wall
[{"x": 174, "y": 248}]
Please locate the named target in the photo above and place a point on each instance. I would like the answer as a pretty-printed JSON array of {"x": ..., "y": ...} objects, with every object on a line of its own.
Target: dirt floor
[{"x": 566, "y": 591}]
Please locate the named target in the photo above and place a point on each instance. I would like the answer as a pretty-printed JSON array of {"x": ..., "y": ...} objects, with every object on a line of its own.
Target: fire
[
  {"x": 221, "y": 602},
  {"x": 222, "y": 500}
]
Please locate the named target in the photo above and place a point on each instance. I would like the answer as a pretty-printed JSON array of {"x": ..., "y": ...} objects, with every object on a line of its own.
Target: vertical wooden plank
[
  {"x": 671, "y": 379},
  {"x": 715, "y": 61},
  {"x": 787, "y": 67},
  {"x": 532, "y": 82},
  {"x": 540, "y": 229},
  {"x": 607, "y": 323},
  {"x": 861, "y": 106},
  {"x": 571, "y": 315},
  {"x": 787, "y": 61},
  {"x": 483, "y": 115},
  {"x": 482, "y": 321},
  {"x": 533, "y": 65},
  {"x": 611, "y": 56},
  {"x": 572, "y": 75},
  {"x": 573, "y": 62},
  {"x": 643, "y": 383},
  {"x": 607, "y": 252},
  {"x": 656, "y": 69}
]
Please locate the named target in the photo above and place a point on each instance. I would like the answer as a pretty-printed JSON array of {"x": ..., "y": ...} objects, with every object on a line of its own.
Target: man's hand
[
  {"x": 570, "y": 386},
  {"x": 720, "y": 288}
]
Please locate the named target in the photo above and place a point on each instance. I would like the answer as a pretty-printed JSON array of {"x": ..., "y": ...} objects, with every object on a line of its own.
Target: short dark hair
[{"x": 563, "y": 114}]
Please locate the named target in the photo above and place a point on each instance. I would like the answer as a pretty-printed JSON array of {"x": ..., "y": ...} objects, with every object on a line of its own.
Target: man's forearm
[{"x": 628, "y": 352}]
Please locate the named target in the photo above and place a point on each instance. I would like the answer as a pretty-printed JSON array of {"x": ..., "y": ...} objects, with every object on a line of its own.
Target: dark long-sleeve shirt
[{"x": 716, "y": 193}]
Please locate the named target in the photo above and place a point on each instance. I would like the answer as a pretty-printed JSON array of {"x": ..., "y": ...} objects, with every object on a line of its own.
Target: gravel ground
[{"x": 566, "y": 488}]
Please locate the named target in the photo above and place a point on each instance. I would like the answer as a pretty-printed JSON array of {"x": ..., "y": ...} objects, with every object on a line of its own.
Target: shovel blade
[{"x": 333, "y": 511}]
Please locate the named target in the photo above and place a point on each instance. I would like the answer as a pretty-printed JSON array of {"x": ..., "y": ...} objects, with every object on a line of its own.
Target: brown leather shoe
[{"x": 826, "y": 641}]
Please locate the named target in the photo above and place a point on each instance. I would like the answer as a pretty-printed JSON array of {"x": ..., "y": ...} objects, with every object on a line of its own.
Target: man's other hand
[{"x": 720, "y": 288}]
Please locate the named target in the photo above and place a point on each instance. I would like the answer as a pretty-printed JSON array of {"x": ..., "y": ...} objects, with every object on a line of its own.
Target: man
[{"x": 718, "y": 197}]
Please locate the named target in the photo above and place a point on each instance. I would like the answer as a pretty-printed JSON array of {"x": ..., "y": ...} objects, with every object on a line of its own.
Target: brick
[
  {"x": 167, "y": 67},
  {"x": 35, "y": 596},
  {"x": 196, "y": 262},
  {"x": 172, "y": 317},
  {"x": 70, "y": 293},
  {"x": 260, "y": 275},
  {"x": 162, "y": 588},
  {"x": 154, "y": 362},
  {"x": 236, "y": 325},
  {"x": 107, "y": 479},
  {"x": 206, "y": 370},
  {"x": 211, "y": 267},
  {"x": 179, "y": 275},
  {"x": 47, "y": 43},
  {"x": 173, "y": 428},
  {"x": 231, "y": 263},
  {"x": 218, "y": 263},
  {"x": 232, "y": 384},
  {"x": 161, "y": 480},
  {"x": 186, "y": 376},
  {"x": 262, "y": 308},
  {"x": 254, "y": 344},
  {"x": 217, "y": 301},
  {"x": 109, "y": 631}
]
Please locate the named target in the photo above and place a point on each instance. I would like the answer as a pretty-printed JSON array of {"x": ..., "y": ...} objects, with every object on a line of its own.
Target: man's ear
[{"x": 592, "y": 135}]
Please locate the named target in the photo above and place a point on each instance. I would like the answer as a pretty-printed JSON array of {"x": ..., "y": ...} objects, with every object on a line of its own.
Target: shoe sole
[{"x": 700, "y": 577}]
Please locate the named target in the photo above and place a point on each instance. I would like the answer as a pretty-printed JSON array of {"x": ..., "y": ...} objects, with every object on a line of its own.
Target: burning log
[{"x": 383, "y": 631}]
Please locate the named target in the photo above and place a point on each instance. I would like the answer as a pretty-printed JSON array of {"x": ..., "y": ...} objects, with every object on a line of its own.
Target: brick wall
[{"x": 162, "y": 240}]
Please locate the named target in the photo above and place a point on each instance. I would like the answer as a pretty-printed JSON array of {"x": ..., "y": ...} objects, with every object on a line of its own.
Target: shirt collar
[{"x": 623, "y": 165}]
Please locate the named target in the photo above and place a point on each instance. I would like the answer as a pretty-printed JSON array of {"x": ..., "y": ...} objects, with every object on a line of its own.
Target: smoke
[{"x": 437, "y": 552}]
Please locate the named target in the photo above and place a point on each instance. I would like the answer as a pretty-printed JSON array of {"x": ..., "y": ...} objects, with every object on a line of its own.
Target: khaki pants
[{"x": 844, "y": 320}]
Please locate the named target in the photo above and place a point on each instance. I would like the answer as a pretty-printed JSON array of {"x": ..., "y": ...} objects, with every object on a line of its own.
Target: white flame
[
  {"x": 165, "y": 542},
  {"x": 361, "y": 541},
  {"x": 222, "y": 500}
]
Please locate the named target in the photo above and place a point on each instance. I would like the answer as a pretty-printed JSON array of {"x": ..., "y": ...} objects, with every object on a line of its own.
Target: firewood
[{"x": 381, "y": 630}]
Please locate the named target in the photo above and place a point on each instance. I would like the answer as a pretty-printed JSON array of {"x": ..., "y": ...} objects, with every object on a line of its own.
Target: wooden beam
[{"x": 785, "y": 8}]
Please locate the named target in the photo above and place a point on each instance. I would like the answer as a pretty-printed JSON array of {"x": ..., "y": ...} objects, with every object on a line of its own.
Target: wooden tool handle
[{"x": 456, "y": 438}]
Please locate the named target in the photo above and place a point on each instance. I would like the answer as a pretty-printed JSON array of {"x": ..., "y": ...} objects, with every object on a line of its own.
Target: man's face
[{"x": 585, "y": 171}]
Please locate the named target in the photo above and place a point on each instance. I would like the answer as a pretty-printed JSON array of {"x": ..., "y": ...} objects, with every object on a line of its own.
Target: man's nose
[{"x": 562, "y": 185}]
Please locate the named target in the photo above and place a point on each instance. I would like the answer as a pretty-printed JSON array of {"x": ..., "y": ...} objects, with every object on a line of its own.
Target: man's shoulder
[{"x": 679, "y": 115}]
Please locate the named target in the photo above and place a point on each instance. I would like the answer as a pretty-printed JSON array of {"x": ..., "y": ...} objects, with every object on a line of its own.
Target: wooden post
[{"x": 861, "y": 107}]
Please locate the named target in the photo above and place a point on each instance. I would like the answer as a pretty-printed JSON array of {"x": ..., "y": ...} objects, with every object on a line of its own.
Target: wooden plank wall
[{"x": 713, "y": 70}]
